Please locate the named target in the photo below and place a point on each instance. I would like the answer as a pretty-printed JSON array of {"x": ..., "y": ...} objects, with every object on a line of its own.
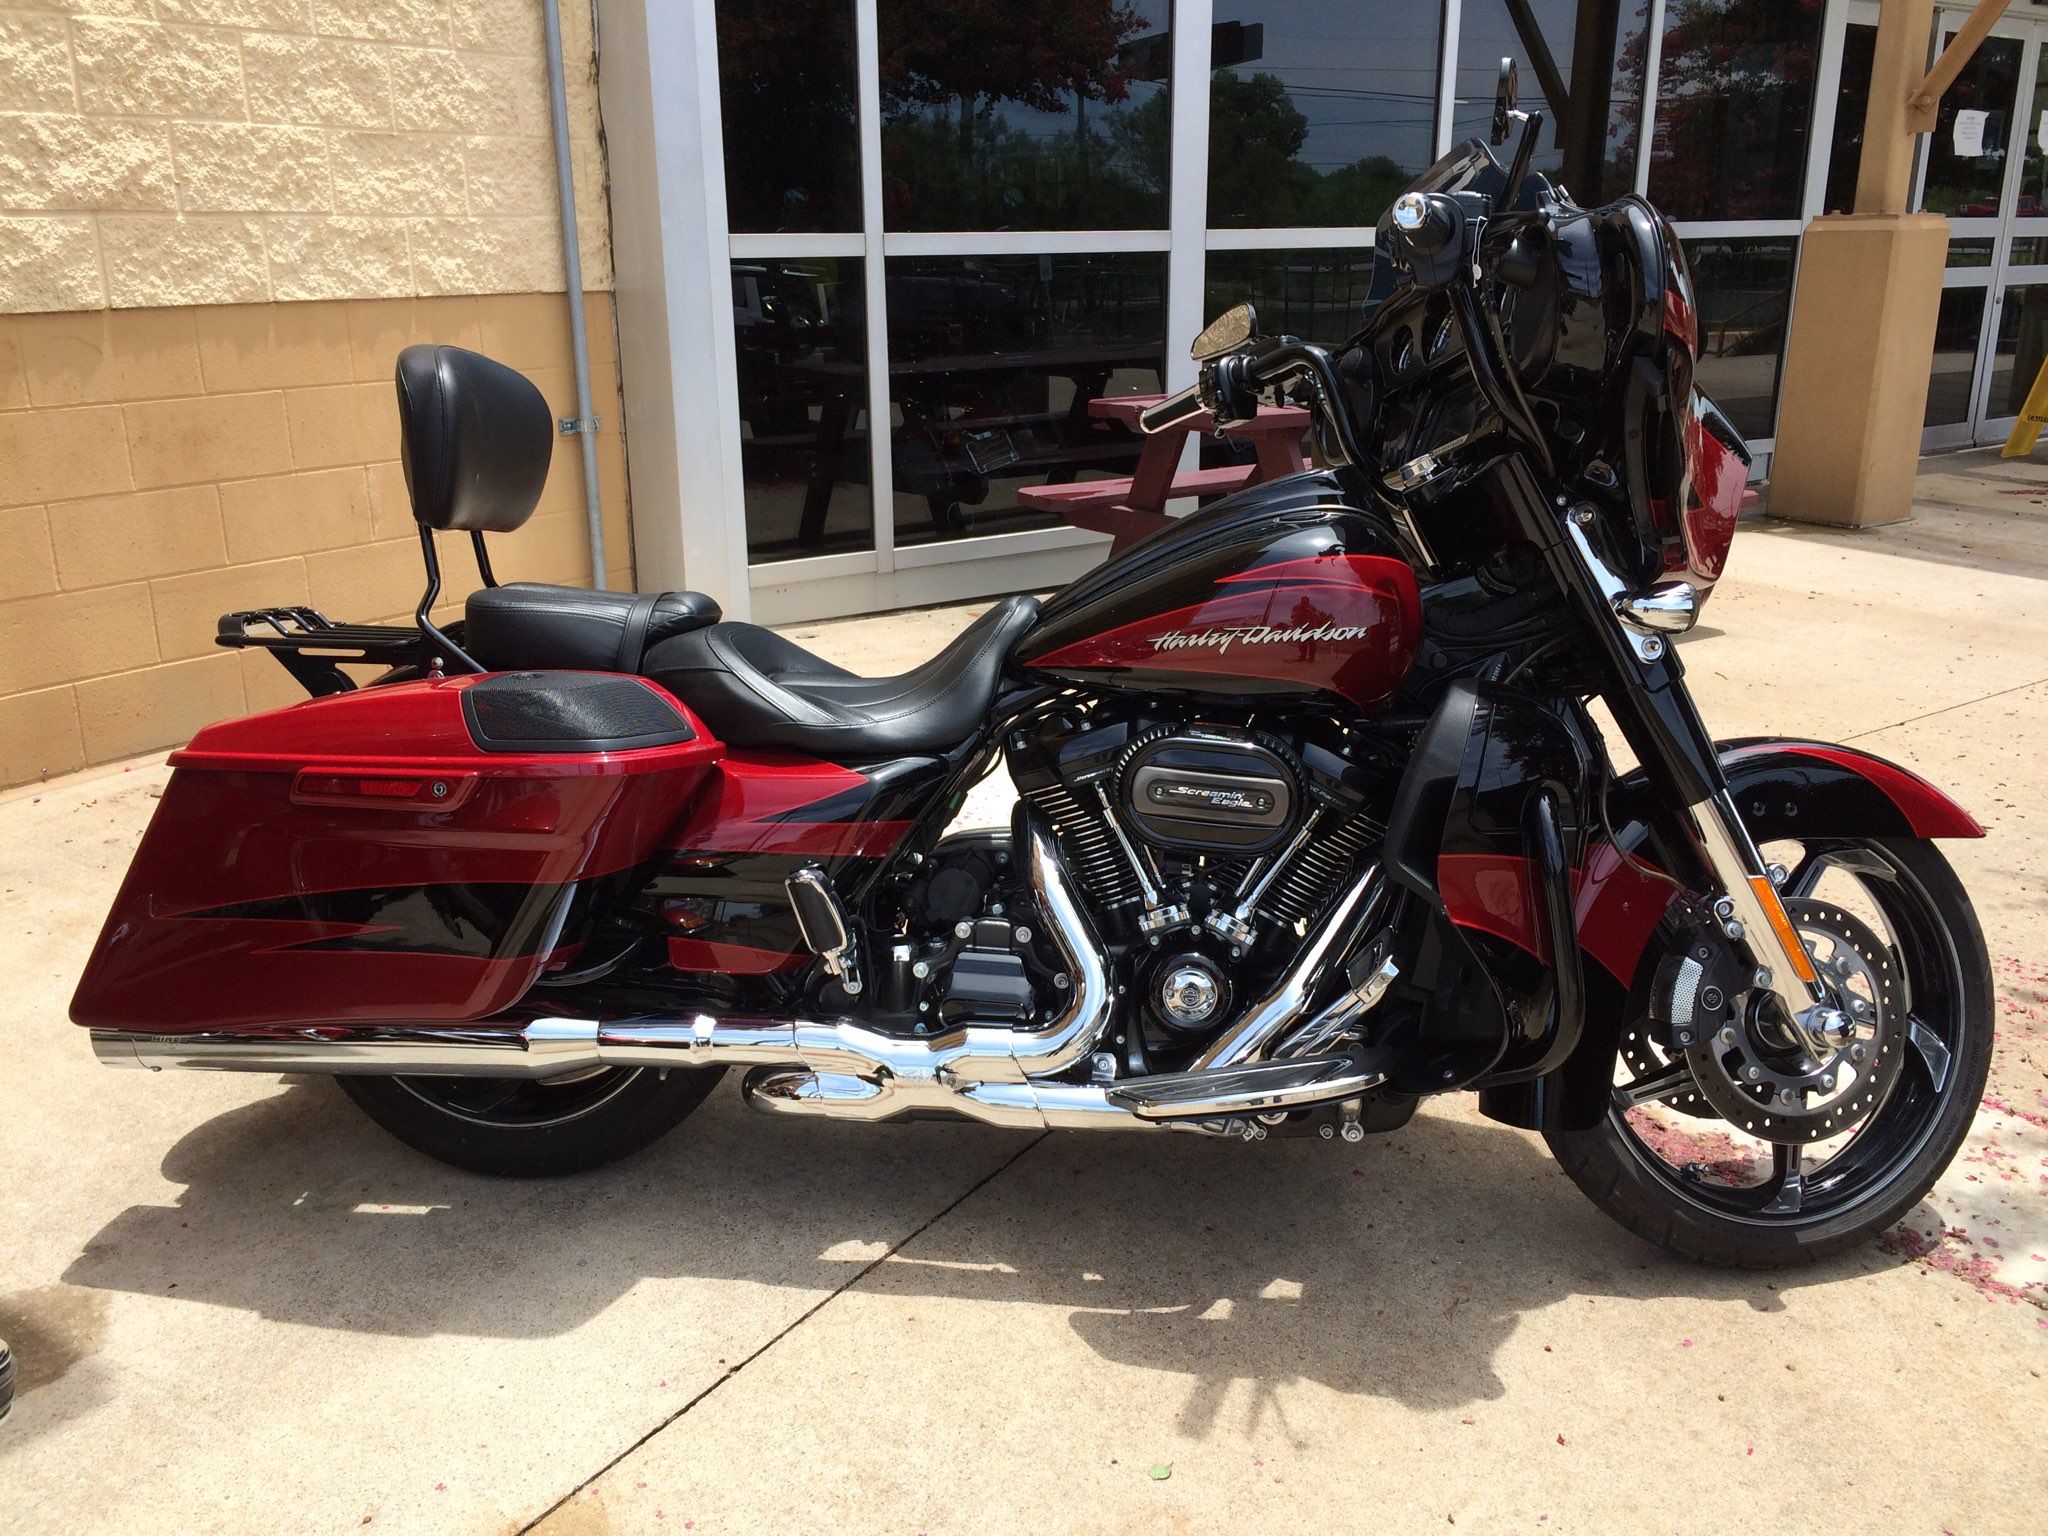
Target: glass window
[
  {"x": 992, "y": 363},
  {"x": 2033, "y": 200},
  {"x": 2018, "y": 348},
  {"x": 1734, "y": 106},
  {"x": 2026, "y": 251},
  {"x": 802, "y": 340},
  {"x": 1045, "y": 115},
  {"x": 1971, "y": 253},
  {"x": 1581, "y": 63},
  {"x": 1317, "y": 295},
  {"x": 1956, "y": 329},
  {"x": 1970, "y": 185},
  {"x": 1320, "y": 111},
  {"x": 1845, "y": 149},
  {"x": 787, "y": 94},
  {"x": 1744, "y": 291}
]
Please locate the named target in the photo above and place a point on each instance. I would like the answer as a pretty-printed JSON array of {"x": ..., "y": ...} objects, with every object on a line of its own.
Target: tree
[{"x": 1255, "y": 131}]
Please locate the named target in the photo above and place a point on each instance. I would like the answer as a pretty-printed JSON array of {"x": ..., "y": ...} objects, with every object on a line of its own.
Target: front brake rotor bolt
[
  {"x": 1856, "y": 1053},
  {"x": 1761, "y": 977},
  {"x": 1753, "y": 1074},
  {"x": 1828, "y": 1083},
  {"x": 1727, "y": 1037}
]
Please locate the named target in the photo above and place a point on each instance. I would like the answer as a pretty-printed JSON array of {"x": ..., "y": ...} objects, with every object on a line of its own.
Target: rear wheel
[
  {"x": 526, "y": 1129},
  {"x": 1743, "y": 1150}
]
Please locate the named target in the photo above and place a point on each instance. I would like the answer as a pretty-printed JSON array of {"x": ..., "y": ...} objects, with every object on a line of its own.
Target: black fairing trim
[
  {"x": 1422, "y": 804},
  {"x": 573, "y": 712},
  {"x": 1498, "y": 776},
  {"x": 475, "y": 438}
]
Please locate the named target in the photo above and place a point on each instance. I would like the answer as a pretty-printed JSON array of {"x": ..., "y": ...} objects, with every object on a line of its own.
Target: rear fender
[{"x": 1784, "y": 789}]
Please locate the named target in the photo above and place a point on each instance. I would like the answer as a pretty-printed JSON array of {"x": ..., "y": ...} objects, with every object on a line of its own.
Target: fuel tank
[{"x": 1296, "y": 590}]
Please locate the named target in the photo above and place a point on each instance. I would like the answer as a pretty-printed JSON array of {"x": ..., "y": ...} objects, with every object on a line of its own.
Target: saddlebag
[{"x": 418, "y": 852}]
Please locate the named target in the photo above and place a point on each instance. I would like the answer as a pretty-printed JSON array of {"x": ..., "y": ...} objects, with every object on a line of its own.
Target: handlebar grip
[
  {"x": 1428, "y": 221},
  {"x": 1172, "y": 411}
]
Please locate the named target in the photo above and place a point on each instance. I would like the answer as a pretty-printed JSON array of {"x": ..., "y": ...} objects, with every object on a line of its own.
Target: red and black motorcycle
[{"x": 1313, "y": 819}]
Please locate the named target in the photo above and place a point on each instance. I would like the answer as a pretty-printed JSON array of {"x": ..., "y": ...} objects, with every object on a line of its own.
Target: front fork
[{"x": 1647, "y": 694}]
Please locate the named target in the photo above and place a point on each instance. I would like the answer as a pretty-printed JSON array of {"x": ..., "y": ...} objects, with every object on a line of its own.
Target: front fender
[{"x": 1784, "y": 789}]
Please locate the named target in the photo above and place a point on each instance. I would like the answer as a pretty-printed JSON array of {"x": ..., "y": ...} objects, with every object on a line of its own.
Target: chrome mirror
[
  {"x": 1226, "y": 333},
  {"x": 1505, "y": 95}
]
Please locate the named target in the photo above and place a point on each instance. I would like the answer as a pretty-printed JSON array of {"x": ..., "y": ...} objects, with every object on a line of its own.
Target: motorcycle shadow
[{"x": 1395, "y": 1268}]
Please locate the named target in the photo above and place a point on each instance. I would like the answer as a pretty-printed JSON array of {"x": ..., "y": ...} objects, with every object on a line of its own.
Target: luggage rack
[{"x": 313, "y": 648}]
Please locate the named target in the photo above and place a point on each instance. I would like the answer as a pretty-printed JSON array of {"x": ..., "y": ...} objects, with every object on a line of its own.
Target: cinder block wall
[{"x": 220, "y": 220}]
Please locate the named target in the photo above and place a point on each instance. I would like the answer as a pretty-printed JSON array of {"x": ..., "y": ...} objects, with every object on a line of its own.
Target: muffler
[{"x": 995, "y": 1073}]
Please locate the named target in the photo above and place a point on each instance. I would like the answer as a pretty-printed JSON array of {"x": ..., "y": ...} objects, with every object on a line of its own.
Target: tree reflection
[{"x": 998, "y": 115}]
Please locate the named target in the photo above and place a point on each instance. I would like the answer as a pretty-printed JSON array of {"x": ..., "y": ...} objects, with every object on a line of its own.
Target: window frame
[{"x": 886, "y": 575}]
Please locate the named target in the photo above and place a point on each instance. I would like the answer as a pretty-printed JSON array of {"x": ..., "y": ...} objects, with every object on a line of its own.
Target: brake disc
[{"x": 1757, "y": 1078}]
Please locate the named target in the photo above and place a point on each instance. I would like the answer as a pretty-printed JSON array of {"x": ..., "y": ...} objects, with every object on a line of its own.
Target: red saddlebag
[{"x": 417, "y": 852}]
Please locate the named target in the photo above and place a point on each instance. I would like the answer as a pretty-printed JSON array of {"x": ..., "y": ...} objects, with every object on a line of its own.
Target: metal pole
[{"x": 572, "y": 265}]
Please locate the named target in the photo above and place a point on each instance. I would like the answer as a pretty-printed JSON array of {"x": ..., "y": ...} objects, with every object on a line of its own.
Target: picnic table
[{"x": 1131, "y": 508}]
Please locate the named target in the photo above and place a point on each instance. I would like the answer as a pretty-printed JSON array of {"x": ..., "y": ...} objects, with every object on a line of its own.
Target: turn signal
[{"x": 1781, "y": 924}]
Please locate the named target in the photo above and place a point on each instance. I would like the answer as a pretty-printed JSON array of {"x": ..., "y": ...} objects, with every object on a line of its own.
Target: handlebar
[
  {"x": 1173, "y": 410},
  {"x": 1278, "y": 363}
]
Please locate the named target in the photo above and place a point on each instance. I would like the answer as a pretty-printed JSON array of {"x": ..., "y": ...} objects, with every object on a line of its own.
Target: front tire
[
  {"x": 1809, "y": 1206},
  {"x": 518, "y": 1128}
]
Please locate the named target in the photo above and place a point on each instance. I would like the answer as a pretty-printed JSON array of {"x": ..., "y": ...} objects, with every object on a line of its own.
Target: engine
[{"x": 1205, "y": 847}]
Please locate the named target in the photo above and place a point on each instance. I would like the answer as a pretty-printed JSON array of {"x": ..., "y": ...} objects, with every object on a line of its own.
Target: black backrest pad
[
  {"x": 475, "y": 437},
  {"x": 569, "y": 712}
]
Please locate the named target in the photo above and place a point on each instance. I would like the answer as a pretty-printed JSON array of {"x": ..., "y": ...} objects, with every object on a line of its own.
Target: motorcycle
[{"x": 1314, "y": 818}]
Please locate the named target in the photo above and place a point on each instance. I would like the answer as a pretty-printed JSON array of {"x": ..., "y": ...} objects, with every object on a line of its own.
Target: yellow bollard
[{"x": 2033, "y": 418}]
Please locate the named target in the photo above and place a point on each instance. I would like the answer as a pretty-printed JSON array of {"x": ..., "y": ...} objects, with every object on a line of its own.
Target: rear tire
[
  {"x": 1943, "y": 947},
  {"x": 515, "y": 1128}
]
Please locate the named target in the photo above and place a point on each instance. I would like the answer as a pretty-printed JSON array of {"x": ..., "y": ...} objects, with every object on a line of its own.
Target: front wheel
[
  {"x": 526, "y": 1129},
  {"x": 1781, "y": 1159}
]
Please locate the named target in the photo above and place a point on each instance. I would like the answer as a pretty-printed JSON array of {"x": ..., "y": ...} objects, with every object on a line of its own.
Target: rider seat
[{"x": 756, "y": 689}]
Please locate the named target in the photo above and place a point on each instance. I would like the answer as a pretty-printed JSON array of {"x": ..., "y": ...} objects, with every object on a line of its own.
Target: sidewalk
[{"x": 238, "y": 1306}]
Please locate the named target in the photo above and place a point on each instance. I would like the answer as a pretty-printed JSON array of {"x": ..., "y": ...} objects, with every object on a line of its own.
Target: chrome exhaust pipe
[{"x": 838, "y": 1068}]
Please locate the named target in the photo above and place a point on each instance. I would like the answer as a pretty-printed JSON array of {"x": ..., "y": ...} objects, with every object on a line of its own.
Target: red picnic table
[{"x": 1128, "y": 509}]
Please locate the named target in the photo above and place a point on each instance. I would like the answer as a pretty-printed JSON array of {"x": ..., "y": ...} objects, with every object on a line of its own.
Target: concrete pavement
[{"x": 240, "y": 1307}]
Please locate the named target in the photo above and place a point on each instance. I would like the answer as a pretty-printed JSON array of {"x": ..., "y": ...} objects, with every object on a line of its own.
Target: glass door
[
  {"x": 1983, "y": 169},
  {"x": 2016, "y": 331}
]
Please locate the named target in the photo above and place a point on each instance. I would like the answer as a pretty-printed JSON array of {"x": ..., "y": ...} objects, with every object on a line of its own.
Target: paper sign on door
[{"x": 1970, "y": 132}]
